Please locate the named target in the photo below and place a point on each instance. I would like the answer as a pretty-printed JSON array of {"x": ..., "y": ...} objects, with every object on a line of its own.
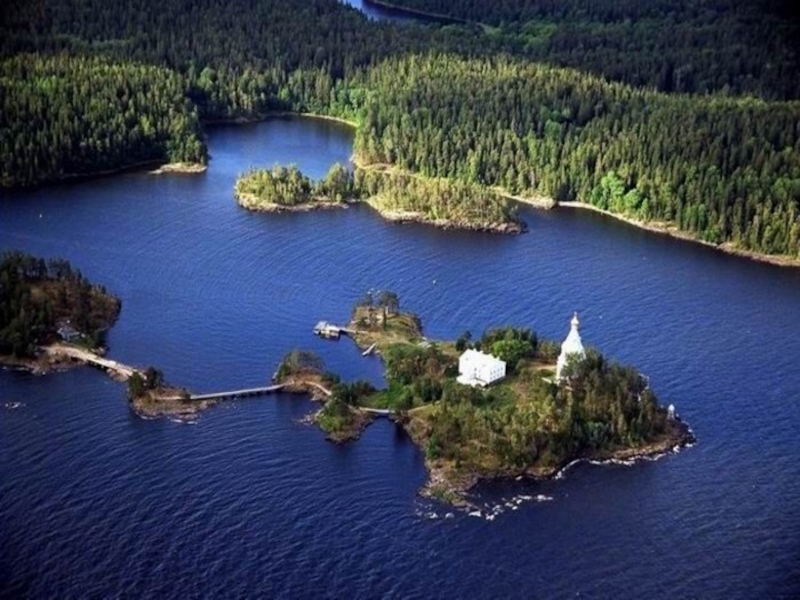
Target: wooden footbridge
[
  {"x": 124, "y": 372},
  {"x": 244, "y": 393},
  {"x": 378, "y": 412}
]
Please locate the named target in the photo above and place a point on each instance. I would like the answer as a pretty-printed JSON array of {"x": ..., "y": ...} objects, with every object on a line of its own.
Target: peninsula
[
  {"x": 44, "y": 302},
  {"x": 696, "y": 140}
]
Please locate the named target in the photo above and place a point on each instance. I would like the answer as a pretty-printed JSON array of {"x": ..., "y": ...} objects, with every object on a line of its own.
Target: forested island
[
  {"x": 42, "y": 302},
  {"x": 681, "y": 117},
  {"x": 528, "y": 424},
  {"x": 395, "y": 195},
  {"x": 286, "y": 188}
]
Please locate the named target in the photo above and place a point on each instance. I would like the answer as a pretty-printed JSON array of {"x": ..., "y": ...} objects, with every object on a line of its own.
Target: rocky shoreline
[
  {"x": 168, "y": 401},
  {"x": 46, "y": 361},
  {"x": 454, "y": 487},
  {"x": 181, "y": 168},
  {"x": 252, "y": 203},
  {"x": 35, "y": 366}
]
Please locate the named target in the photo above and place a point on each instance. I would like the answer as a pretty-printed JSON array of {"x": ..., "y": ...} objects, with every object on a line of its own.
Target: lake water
[{"x": 95, "y": 502}]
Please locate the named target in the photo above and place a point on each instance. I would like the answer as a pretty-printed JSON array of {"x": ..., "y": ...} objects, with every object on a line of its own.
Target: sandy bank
[{"x": 672, "y": 231}]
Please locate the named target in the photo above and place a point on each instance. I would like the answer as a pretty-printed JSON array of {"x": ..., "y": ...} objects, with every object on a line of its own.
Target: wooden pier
[{"x": 330, "y": 331}]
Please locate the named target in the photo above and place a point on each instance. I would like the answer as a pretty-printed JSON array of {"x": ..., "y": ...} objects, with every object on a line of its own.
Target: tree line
[
  {"x": 736, "y": 47},
  {"x": 725, "y": 170},
  {"x": 63, "y": 115},
  {"x": 99, "y": 84}
]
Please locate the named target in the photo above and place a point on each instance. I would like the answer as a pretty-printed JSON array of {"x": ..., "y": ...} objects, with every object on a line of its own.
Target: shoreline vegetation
[
  {"x": 395, "y": 195},
  {"x": 151, "y": 166},
  {"x": 538, "y": 201},
  {"x": 397, "y": 212},
  {"x": 278, "y": 114},
  {"x": 672, "y": 231}
]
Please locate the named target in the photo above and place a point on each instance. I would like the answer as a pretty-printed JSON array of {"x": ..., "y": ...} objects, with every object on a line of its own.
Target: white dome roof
[
  {"x": 573, "y": 343},
  {"x": 571, "y": 346}
]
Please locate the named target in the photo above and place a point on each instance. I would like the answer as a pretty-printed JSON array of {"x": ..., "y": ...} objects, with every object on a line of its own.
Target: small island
[
  {"x": 286, "y": 189},
  {"x": 151, "y": 397},
  {"x": 551, "y": 405},
  {"x": 340, "y": 417},
  {"x": 43, "y": 303},
  {"x": 396, "y": 195}
]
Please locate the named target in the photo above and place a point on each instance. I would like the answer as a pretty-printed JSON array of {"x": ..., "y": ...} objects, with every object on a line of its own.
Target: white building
[
  {"x": 478, "y": 368},
  {"x": 572, "y": 346}
]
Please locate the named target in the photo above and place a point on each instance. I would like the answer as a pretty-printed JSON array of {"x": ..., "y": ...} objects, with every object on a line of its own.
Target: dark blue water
[{"x": 95, "y": 502}]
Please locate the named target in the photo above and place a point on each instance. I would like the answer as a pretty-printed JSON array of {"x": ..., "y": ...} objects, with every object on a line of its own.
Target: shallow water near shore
[{"x": 249, "y": 501}]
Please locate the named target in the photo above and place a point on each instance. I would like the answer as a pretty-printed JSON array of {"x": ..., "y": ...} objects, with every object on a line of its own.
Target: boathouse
[
  {"x": 327, "y": 330},
  {"x": 68, "y": 333}
]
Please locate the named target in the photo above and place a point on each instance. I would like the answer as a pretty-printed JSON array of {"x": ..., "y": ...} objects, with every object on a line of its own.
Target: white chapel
[{"x": 572, "y": 346}]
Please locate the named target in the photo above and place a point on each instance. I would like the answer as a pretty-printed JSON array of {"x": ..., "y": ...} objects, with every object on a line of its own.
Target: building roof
[
  {"x": 573, "y": 344},
  {"x": 473, "y": 354},
  {"x": 68, "y": 332}
]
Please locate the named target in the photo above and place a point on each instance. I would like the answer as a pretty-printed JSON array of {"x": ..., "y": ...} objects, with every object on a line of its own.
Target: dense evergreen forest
[
  {"x": 65, "y": 115},
  {"x": 697, "y": 46},
  {"x": 723, "y": 169},
  {"x": 98, "y": 84},
  {"x": 35, "y": 295}
]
